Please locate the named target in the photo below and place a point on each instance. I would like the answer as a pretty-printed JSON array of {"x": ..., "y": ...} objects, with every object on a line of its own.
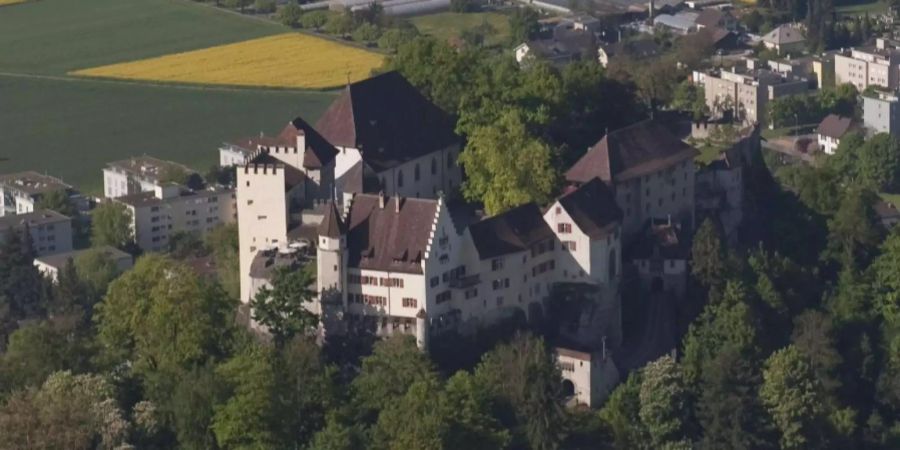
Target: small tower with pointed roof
[{"x": 330, "y": 257}]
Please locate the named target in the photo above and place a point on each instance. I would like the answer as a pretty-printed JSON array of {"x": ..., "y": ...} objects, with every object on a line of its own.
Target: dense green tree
[
  {"x": 367, "y": 33},
  {"x": 161, "y": 316},
  {"x": 251, "y": 417},
  {"x": 111, "y": 225},
  {"x": 68, "y": 411},
  {"x": 192, "y": 407},
  {"x": 436, "y": 69},
  {"x": 264, "y": 6},
  {"x": 21, "y": 285},
  {"x": 39, "y": 349},
  {"x": 96, "y": 269},
  {"x": 307, "y": 387},
  {"x": 469, "y": 408},
  {"x": 854, "y": 232},
  {"x": 394, "y": 37},
  {"x": 708, "y": 258},
  {"x": 507, "y": 167},
  {"x": 813, "y": 337},
  {"x": 416, "y": 420},
  {"x": 222, "y": 241},
  {"x": 59, "y": 201},
  {"x": 794, "y": 398},
  {"x": 337, "y": 435},
  {"x": 523, "y": 24},
  {"x": 879, "y": 162},
  {"x": 690, "y": 97},
  {"x": 621, "y": 414},
  {"x": 526, "y": 382},
  {"x": 340, "y": 24},
  {"x": 282, "y": 307},
  {"x": 314, "y": 20},
  {"x": 664, "y": 404},
  {"x": 394, "y": 365},
  {"x": 289, "y": 15}
]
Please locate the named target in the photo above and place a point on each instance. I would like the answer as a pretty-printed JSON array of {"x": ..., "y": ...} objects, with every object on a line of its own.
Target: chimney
[{"x": 381, "y": 199}]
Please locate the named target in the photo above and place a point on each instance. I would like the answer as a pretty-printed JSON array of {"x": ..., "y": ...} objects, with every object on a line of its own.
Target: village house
[
  {"x": 831, "y": 130},
  {"x": 51, "y": 265},
  {"x": 51, "y": 232},
  {"x": 785, "y": 39},
  {"x": 562, "y": 47},
  {"x": 142, "y": 174},
  {"x": 650, "y": 170},
  {"x": 636, "y": 49},
  {"x": 716, "y": 18},
  {"x": 21, "y": 192}
]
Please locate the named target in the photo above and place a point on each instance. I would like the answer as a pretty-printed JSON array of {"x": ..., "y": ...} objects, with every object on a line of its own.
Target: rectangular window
[
  {"x": 497, "y": 264},
  {"x": 564, "y": 227},
  {"x": 435, "y": 281},
  {"x": 410, "y": 303},
  {"x": 471, "y": 293},
  {"x": 443, "y": 297},
  {"x": 570, "y": 245}
]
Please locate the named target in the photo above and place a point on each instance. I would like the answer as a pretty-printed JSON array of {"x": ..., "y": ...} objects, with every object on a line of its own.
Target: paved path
[
  {"x": 785, "y": 145},
  {"x": 657, "y": 337}
]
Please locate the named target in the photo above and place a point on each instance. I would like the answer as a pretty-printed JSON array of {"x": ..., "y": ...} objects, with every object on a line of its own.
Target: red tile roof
[
  {"x": 512, "y": 231},
  {"x": 835, "y": 126},
  {"x": 593, "y": 208}
]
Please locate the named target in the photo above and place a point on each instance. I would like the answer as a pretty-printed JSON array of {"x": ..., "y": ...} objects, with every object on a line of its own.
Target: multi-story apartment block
[
  {"x": 51, "y": 232},
  {"x": 744, "y": 92},
  {"x": 141, "y": 174},
  {"x": 170, "y": 209},
  {"x": 20, "y": 192},
  {"x": 877, "y": 65},
  {"x": 650, "y": 170},
  {"x": 881, "y": 113}
]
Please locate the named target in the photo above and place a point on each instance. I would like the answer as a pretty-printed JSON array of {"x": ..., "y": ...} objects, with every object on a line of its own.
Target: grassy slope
[
  {"x": 72, "y": 128},
  {"x": 871, "y": 7},
  {"x": 449, "y": 25}
]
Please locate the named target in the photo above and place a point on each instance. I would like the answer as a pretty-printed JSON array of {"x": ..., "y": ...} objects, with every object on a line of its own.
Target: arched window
[
  {"x": 399, "y": 178},
  {"x": 416, "y": 172},
  {"x": 613, "y": 270},
  {"x": 434, "y": 166}
]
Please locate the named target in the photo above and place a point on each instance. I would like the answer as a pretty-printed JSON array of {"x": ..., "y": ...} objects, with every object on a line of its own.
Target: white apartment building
[
  {"x": 877, "y": 65},
  {"x": 170, "y": 209},
  {"x": 650, "y": 170},
  {"x": 50, "y": 265},
  {"x": 744, "y": 92},
  {"x": 881, "y": 113},
  {"x": 20, "y": 192},
  {"x": 140, "y": 174},
  {"x": 51, "y": 232}
]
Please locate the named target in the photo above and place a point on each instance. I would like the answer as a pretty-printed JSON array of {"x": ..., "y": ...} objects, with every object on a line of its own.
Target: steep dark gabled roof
[
  {"x": 710, "y": 17},
  {"x": 388, "y": 120},
  {"x": 318, "y": 151},
  {"x": 835, "y": 126},
  {"x": 630, "y": 152},
  {"x": 593, "y": 208},
  {"x": 358, "y": 179},
  {"x": 332, "y": 225},
  {"x": 385, "y": 239},
  {"x": 513, "y": 231}
]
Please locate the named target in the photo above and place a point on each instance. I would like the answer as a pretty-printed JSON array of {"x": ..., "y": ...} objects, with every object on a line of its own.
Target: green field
[
  {"x": 448, "y": 25},
  {"x": 870, "y": 7},
  {"x": 71, "y": 127}
]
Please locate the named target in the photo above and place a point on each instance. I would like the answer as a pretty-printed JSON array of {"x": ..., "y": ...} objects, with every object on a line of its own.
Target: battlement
[{"x": 263, "y": 169}]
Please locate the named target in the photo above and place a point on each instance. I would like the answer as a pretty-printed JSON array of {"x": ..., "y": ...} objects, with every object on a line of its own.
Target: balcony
[{"x": 465, "y": 282}]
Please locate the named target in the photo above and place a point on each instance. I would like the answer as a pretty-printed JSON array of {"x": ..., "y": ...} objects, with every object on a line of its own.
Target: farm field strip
[
  {"x": 11, "y": 2},
  {"x": 289, "y": 60}
]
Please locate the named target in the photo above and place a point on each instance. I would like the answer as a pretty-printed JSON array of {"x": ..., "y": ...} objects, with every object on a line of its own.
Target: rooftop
[
  {"x": 31, "y": 219},
  {"x": 835, "y": 126},
  {"x": 662, "y": 239},
  {"x": 32, "y": 183},
  {"x": 148, "y": 167},
  {"x": 593, "y": 208},
  {"x": 784, "y": 35},
  {"x": 149, "y": 198},
  {"x": 515, "y": 230},
  {"x": 630, "y": 152}
]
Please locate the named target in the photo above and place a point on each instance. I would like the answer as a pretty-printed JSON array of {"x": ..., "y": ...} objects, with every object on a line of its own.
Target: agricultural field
[
  {"x": 11, "y": 2},
  {"x": 449, "y": 25},
  {"x": 71, "y": 126},
  {"x": 291, "y": 60}
]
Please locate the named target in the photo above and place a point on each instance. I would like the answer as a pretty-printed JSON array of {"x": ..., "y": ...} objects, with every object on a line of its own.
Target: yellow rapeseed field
[
  {"x": 11, "y": 2},
  {"x": 290, "y": 60}
]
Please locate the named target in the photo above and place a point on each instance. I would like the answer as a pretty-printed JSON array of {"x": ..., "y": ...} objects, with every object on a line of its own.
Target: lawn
[
  {"x": 450, "y": 25},
  {"x": 290, "y": 60},
  {"x": 72, "y": 128},
  {"x": 871, "y": 7}
]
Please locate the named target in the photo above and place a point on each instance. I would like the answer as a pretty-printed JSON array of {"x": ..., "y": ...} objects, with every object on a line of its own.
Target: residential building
[
  {"x": 877, "y": 65},
  {"x": 563, "y": 47},
  {"x": 881, "y": 113},
  {"x": 785, "y": 39},
  {"x": 661, "y": 257},
  {"x": 588, "y": 377},
  {"x": 716, "y": 18},
  {"x": 637, "y": 49},
  {"x": 141, "y": 174},
  {"x": 236, "y": 153},
  {"x": 650, "y": 170},
  {"x": 50, "y": 265},
  {"x": 51, "y": 232},
  {"x": 831, "y": 130},
  {"x": 21, "y": 192},
  {"x": 744, "y": 92},
  {"x": 169, "y": 209},
  {"x": 684, "y": 22},
  {"x": 823, "y": 69}
]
